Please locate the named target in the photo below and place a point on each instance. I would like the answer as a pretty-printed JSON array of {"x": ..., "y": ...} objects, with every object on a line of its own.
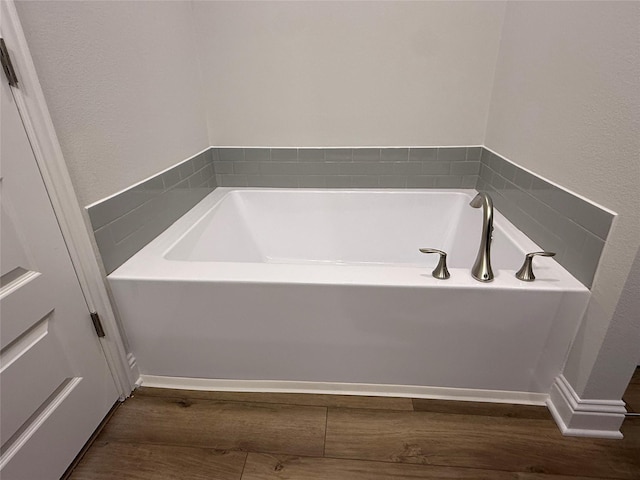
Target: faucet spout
[{"x": 481, "y": 270}]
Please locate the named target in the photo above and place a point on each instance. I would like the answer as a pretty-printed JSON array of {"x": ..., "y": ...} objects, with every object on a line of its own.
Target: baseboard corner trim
[{"x": 578, "y": 417}]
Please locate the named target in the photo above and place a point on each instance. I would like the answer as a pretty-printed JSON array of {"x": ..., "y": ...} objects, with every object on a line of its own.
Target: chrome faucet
[{"x": 481, "y": 270}]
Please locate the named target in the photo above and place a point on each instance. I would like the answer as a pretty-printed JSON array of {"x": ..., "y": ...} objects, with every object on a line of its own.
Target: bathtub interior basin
[{"x": 339, "y": 227}]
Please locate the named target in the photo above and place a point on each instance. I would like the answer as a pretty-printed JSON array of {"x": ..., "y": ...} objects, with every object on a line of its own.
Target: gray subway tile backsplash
[
  {"x": 233, "y": 180},
  {"x": 171, "y": 178},
  {"x": 240, "y": 167},
  {"x": 393, "y": 181},
  {"x": 474, "y": 153},
  {"x": 105, "y": 212},
  {"x": 552, "y": 217},
  {"x": 231, "y": 154},
  {"x": 391, "y": 167},
  {"x": 312, "y": 181},
  {"x": 448, "y": 181},
  {"x": 338, "y": 155},
  {"x": 423, "y": 154},
  {"x": 465, "y": 168},
  {"x": 228, "y": 167},
  {"x": 436, "y": 168},
  {"x": 367, "y": 168},
  {"x": 311, "y": 154},
  {"x": 452, "y": 154},
  {"x": 366, "y": 154},
  {"x": 421, "y": 181},
  {"x": 409, "y": 168},
  {"x": 126, "y": 222},
  {"x": 394, "y": 154},
  {"x": 201, "y": 161},
  {"x": 284, "y": 154},
  {"x": 186, "y": 169},
  {"x": 257, "y": 154},
  {"x": 469, "y": 181},
  {"x": 279, "y": 168},
  {"x": 276, "y": 181},
  {"x": 338, "y": 181},
  {"x": 387, "y": 167},
  {"x": 364, "y": 181}
]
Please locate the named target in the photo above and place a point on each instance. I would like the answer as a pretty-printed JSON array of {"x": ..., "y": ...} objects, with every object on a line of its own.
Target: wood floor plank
[
  {"x": 481, "y": 408},
  {"x": 114, "y": 460},
  {"x": 493, "y": 443},
  {"x": 287, "y": 429},
  {"x": 276, "y": 467},
  {"x": 341, "y": 401}
]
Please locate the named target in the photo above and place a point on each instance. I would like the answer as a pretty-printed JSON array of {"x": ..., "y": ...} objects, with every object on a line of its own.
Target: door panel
[
  {"x": 25, "y": 301},
  {"x": 55, "y": 385},
  {"x": 45, "y": 378}
]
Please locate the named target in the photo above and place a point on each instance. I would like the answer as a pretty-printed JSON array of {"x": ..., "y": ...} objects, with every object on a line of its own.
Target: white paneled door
[{"x": 55, "y": 385}]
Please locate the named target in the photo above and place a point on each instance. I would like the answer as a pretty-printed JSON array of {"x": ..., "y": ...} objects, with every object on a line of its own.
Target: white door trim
[{"x": 41, "y": 133}]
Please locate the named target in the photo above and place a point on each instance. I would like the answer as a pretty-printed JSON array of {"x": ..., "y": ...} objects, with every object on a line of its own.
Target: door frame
[{"x": 39, "y": 127}]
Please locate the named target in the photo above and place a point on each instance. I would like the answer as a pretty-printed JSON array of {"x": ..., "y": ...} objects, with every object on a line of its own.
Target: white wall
[
  {"x": 123, "y": 87},
  {"x": 566, "y": 104},
  {"x": 348, "y": 73}
]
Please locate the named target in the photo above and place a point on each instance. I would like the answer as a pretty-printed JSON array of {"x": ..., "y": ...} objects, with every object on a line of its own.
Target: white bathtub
[{"x": 325, "y": 290}]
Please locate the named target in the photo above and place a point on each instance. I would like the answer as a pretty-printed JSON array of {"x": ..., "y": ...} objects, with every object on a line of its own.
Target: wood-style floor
[{"x": 178, "y": 434}]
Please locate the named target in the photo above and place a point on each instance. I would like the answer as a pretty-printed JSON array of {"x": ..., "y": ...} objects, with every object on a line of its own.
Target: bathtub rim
[{"x": 150, "y": 264}]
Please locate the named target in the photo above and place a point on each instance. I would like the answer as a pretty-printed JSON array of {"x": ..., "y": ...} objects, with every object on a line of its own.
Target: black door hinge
[
  {"x": 7, "y": 66},
  {"x": 97, "y": 324}
]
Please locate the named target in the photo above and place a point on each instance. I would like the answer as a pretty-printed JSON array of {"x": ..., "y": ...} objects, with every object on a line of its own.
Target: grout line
[
  {"x": 171, "y": 397},
  {"x": 326, "y": 423},
  {"x": 237, "y": 449},
  {"x": 244, "y": 465}
]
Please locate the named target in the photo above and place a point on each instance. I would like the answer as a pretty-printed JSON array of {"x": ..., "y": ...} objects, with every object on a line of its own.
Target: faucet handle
[
  {"x": 441, "y": 272},
  {"x": 526, "y": 271}
]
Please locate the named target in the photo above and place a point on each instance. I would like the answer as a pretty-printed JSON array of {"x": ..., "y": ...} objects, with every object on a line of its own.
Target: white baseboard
[
  {"x": 579, "y": 417},
  {"x": 329, "y": 388}
]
